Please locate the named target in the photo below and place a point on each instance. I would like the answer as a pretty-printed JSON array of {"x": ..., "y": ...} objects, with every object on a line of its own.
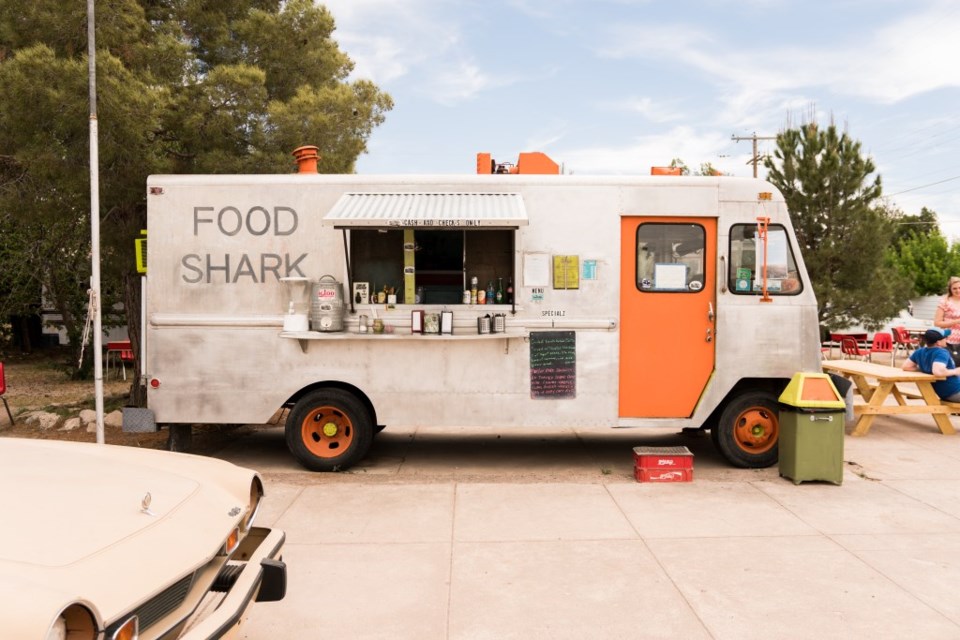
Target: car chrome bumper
[{"x": 263, "y": 578}]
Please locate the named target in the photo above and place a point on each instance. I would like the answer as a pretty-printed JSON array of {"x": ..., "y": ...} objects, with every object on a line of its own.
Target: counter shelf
[{"x": 306, "y": 337}]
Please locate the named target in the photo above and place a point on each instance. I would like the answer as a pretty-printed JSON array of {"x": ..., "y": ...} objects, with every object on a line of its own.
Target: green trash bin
[{"x": 812, "y": 415}]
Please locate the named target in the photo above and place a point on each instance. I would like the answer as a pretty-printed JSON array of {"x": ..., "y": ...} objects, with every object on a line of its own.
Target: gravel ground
[{"x": 41, "y": 382}]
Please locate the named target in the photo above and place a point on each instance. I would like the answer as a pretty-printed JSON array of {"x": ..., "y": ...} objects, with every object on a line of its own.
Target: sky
[{"x": 618, "y": 86}]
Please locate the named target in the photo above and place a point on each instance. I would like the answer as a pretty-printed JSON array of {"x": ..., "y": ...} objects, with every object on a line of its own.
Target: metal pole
[
  {"x": 756, "y": 152},
  {"x": 95, "y": 225}
]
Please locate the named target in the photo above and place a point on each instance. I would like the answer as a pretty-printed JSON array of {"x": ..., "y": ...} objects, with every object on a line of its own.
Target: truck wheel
[
  {"x": 749, "y": 430},
  {"x": 329, "y": 430}
]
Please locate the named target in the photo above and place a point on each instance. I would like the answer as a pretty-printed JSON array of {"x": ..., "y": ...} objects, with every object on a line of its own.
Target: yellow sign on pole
[
  {"x": 140, "y": 244},
  {"x": 409, "y": 266}
]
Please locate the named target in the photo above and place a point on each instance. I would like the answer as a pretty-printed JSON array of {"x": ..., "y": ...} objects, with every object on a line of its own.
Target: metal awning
[{"x": 445, "y": 210}]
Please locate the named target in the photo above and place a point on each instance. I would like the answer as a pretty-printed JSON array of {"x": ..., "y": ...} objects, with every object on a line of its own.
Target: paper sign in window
[{"x": 670, "y": 276}]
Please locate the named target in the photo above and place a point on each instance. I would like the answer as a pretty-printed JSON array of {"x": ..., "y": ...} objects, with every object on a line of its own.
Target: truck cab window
[
  {"x": 670, "y": 257},
  {"x": 746, "y": 262}
]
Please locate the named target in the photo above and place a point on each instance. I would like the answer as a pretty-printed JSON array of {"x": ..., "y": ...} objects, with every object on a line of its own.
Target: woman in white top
[{"x": 948, "y": 316}]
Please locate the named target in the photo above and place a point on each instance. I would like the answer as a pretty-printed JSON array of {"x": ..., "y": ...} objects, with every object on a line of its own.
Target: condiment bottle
[
  {"x": 509, "y": 299},
  {"x": 499, "y": 294}
]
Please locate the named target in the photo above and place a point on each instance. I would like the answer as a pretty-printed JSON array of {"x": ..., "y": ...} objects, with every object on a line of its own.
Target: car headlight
[
  {"x": 76, "y": 622},
  {"x": 231, "y": 543},
  {"x": 256, "y": 495}
]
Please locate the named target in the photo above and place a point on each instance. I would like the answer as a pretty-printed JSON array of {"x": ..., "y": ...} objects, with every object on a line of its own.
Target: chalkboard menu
[{"x": 553, "y": 364}]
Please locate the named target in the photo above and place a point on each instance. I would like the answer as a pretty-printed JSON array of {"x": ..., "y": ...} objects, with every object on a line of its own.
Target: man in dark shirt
[{"x": 935, "y": 359}]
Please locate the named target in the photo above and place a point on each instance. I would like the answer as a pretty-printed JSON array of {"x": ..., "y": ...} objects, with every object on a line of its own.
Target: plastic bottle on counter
[{"x": 490, "y": 292}]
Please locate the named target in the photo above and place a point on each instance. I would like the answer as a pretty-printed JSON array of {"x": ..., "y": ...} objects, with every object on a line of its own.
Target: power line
[
  {"x": 756, "y": 156},
  {"x": 923, "y": 186}
]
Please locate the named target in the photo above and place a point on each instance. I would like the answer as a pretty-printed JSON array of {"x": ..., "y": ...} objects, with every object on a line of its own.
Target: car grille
[{"x": 158, "y": 606}]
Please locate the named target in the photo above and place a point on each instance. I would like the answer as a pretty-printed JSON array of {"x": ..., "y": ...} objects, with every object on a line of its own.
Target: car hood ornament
[{"x": 145, "y": 504}]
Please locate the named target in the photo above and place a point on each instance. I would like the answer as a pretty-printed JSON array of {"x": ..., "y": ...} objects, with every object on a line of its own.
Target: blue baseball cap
[{"x": 935, "y": 335}]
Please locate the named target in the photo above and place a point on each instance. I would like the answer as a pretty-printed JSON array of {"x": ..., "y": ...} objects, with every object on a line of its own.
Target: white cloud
[
  {"x": 691, "y": 146},
  {"x": 646, "y": 107},
  {"x": 900, "y": 60},
  {"x": 453, "y": 83},
  {"x": 389, "y": 40}
]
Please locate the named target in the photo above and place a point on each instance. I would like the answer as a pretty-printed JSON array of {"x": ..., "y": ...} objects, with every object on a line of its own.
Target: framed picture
[
  {"x": 446, "y": 322},
  {"x": 416, "y": 321},
  {"x": 431, "y": 323}
]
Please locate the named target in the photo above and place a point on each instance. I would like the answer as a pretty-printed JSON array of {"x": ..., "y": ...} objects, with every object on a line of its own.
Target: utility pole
[
  {"x": 95, "y": 225},
  {"x": 756, "y": 156}
]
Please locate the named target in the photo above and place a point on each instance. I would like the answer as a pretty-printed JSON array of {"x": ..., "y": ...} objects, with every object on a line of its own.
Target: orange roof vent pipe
[
  {"x": 666, "y": 171},
  {"x": 307, "y": 157}
]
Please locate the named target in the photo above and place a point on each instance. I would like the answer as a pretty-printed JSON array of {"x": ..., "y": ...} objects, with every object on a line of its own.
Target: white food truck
[{"x": 620, "y": 301}]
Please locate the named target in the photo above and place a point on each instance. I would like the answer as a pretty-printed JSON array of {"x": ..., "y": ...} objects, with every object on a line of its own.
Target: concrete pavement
[{"x": 472, "y": 534}]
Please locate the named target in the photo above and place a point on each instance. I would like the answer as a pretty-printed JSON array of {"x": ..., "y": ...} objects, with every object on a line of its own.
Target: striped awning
[{"x": 444, "y": 210}]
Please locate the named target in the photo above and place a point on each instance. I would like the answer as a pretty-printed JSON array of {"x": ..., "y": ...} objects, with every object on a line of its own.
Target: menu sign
[{"x": 553, "y": 364}]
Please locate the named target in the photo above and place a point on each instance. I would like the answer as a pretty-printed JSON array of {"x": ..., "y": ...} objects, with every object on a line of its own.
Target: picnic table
[{"x": 877, "y": 382}]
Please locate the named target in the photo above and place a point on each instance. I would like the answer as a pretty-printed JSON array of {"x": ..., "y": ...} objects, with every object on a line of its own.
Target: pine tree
[
  {"x": 184, "y": 86},
  {"x": 843, "y": 233}
]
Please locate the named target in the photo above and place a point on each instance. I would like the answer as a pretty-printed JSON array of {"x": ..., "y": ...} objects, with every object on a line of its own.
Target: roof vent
[{"x": 307, "y": 157}]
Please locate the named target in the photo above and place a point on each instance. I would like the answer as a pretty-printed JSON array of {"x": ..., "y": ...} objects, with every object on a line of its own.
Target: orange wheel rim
[
  {"x": 327, "y": 432},
  {"x": 756, "y": 430}
]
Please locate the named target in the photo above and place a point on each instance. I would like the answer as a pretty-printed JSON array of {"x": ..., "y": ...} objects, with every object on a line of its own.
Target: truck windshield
[{"x": 746, "y": 262}]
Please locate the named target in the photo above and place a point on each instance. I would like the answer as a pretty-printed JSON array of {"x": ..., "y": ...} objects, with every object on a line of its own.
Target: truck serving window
[
  {"x": 670, "y": 257},
  {"x": 746, "y": 262},
  {"x": 427, "y": 247},
  {"x": 444, "y": 261}
]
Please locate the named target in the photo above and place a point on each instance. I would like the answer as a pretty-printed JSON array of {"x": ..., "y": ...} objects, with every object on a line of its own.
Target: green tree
[
  {"x": 832, "y": 200},
  {"x": 928, "y": 261},
  {"x": 183, "y": 86},
  {"x": 926, "y": 223},
  {"x": 706, "y": 168}
]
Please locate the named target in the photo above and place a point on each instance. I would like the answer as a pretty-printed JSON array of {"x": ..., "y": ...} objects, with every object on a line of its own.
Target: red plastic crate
[{"x": 662, "y": 464}]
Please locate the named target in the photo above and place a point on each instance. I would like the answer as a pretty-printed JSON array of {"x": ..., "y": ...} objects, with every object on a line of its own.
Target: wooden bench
[
  {"x": 876, "y": 382},
  {"x": 954, "y": 406}
]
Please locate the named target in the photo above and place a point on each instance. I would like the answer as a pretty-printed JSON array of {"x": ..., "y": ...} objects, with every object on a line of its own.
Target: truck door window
[
  {"x": 670, "y": 257},
  {"x": 746, "y": 262}
]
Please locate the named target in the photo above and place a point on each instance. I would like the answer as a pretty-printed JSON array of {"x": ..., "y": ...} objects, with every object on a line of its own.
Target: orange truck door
[{"x": 667, "y": 310}]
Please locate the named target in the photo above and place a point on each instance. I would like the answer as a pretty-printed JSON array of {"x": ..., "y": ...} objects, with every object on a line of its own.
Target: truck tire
[
  {"x": 329, "y": 430},
  {"x": 749, "y": 430}
]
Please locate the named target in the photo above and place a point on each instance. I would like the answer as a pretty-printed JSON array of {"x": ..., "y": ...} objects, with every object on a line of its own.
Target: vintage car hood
[
  {"x": 74, "y": 528},
  {"x": 79, "y": 504}
]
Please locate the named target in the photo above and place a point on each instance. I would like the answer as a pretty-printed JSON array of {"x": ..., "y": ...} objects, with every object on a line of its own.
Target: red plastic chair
[
  {"x": 882, "y": 343},
  {"x": 902, "y": 340},
  {"x": 851, "y": 349},
  {"x": 122, "y": 353},
  {"x": 3, "y": 390}
]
